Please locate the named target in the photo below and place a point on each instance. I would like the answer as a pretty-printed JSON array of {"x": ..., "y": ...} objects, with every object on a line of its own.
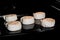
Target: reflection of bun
[
  {"x": 10, "y": 17},
  {"x": 27, "y": 20},
  {"x": 14, "y": 26},
  {"x": 39, "y": 15},
  {"x": 48, "y": 22}
]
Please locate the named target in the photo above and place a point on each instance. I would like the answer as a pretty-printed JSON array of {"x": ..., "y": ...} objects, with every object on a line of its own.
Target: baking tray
[{"x": 37, "y": 28}]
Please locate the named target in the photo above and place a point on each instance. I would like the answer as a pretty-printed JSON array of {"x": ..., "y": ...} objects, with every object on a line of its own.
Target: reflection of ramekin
[
  {"x": 10, "y": 17},
  {"x": 37, "y": 21},
  {"x": 27, "y": 27},
  {"x": 39, "y": 15},
  {"x": 14, "y": 26},
  {"x": 27, "y": 20},
  {"x": 48, "y": 22}
]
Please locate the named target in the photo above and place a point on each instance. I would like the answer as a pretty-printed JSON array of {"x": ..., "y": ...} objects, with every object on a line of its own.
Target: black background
[{"x": 27, "y": 8}]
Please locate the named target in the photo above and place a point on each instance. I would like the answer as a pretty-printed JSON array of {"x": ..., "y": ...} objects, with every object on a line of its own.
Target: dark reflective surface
[{"x": 26, "y": 29}]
